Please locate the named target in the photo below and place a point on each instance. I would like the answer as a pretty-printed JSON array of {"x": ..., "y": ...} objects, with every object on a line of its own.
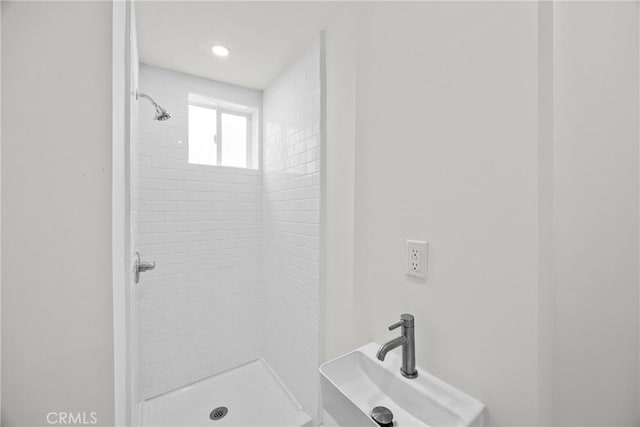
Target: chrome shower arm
[{"x": 144, "y": 95}]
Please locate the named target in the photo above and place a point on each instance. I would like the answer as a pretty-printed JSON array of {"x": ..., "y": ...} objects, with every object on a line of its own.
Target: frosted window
[
  {"x": 203, "y": 127},
  {"x": 234, "y": 140}
]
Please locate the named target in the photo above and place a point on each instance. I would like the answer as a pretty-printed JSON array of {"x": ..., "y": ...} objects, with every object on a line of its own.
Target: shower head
[{"x": 161, "y": 113}]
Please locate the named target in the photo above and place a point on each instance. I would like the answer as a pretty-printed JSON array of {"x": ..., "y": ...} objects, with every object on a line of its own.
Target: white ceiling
[{"x": 264, "y": 37}]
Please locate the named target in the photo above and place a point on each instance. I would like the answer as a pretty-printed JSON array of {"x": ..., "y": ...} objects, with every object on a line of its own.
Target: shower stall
[{"x": 224, "y": 225}]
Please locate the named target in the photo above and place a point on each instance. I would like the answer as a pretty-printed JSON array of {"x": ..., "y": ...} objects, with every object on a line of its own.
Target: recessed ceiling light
[{"x": 220, "y": 50}]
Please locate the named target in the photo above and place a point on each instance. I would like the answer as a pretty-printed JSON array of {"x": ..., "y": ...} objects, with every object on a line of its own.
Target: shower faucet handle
[
  {"x": 146, "y": 266},
  {"x": 141, "y": 266}
]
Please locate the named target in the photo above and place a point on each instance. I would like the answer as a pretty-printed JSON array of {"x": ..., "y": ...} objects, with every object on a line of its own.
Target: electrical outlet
[{"x": 417, "y": 259}]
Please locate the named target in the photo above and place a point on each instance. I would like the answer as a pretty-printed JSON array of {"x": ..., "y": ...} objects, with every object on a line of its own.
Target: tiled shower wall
[
  {"x": 198, "y": 312},
  {"x": 237, "y": 250},
  {"x": 291, "y": 215}
]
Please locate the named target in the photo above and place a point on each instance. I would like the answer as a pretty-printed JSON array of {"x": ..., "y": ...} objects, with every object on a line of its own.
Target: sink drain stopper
[{"x": 383, "y": 416}]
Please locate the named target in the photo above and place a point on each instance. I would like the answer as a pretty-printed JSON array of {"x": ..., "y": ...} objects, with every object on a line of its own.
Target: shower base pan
[{"x": 249, "y": 395}]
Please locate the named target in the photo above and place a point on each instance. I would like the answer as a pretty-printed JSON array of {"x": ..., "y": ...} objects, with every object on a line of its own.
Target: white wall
[
  {"x": 447, "y": 152},
  {"x": 596, "y": 213},
  {"x": 199, "y": 312},
  {"x": 291, "y": 214},
  {"x": 546, "y": 281},
  {"x": 340, "y": 54},
  {"x": 508, "y": 141},
  {"x": 57, "y": 336},
  {"x": 132, "y": 177},
  {"x": 0, "y": 211}
]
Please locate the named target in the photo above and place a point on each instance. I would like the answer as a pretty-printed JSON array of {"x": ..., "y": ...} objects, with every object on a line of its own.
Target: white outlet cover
[{"x": 417, "y": 258}]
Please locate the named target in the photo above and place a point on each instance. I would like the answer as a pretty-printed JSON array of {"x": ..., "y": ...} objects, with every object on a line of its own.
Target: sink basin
[{"x": 353, "y": 384}]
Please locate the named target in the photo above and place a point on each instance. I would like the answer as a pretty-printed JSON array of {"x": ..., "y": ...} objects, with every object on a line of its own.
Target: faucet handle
[
  {"x": 406, "y": 320},
  {"x": 396, "y": 325}
]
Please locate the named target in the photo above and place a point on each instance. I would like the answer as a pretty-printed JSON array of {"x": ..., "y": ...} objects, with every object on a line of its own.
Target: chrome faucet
[{"x": 407, "y": 341}]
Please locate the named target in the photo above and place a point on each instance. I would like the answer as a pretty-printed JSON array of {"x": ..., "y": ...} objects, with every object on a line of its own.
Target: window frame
[{"x": 220, "y": 110}]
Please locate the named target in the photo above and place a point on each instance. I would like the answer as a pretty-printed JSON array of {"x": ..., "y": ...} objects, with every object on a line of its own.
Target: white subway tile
[{"x": 290, "y": 215}]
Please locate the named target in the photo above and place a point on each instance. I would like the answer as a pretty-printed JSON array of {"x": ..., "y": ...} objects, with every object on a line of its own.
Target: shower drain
[{"x": 218, "y": 413}]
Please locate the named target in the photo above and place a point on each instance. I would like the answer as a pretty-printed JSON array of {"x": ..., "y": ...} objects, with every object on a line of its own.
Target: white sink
[{"x": 353, "y": 384}]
